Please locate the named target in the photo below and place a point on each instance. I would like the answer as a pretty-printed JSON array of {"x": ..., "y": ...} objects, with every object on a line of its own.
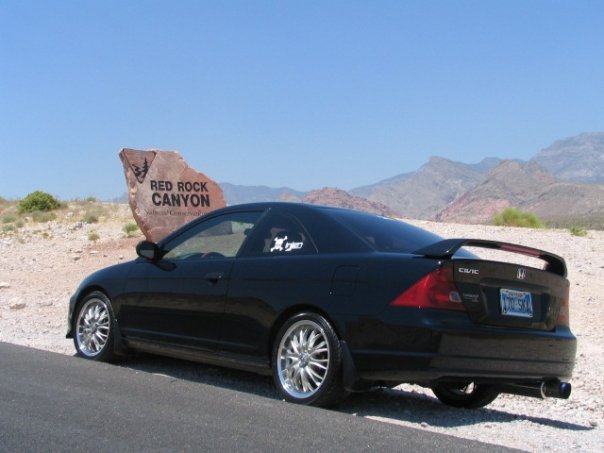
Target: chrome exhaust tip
[
  {"x": 556, "y": 389},
  {"x": 544, "y": 389}
]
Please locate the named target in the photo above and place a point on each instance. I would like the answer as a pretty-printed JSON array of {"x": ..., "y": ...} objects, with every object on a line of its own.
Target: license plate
[{"x": 516, "y": 303}]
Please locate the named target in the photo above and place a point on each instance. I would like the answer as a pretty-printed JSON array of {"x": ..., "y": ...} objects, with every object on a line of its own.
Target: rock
[
  {"x": 164, "y": 192},
  {"x": 4, "y": 285},
  {"x": 18, "y": 306}
]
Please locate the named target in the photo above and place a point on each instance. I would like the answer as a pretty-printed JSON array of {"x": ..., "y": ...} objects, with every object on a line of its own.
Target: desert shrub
[
  {"x": 8, "y": 218},
  {"x": 38, "y": 201},
  {"x": 3, "y": 200},
  {"x": 130, "y": 229},
  {"x": 89, "y": 217},
  {"x": 93, "y": 236},
  {"x": 8, "y": 227},
  {"x": 91, "y": 199},
  {"x": 19, "y": 224},
  {"x": 577, "y": 231},
  {"x": 43, "y": 217},
  {"x": 517, "y": 218}
]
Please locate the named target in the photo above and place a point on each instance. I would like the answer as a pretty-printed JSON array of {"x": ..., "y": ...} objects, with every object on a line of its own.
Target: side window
[
  {"x": 220, "y": 237},
  {"x": 281, "y": 235}
]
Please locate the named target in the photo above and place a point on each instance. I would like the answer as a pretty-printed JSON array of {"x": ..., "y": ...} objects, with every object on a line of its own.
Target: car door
[
  {"x": 182, "y": 300},
  {"x": 277, "y": 268}
]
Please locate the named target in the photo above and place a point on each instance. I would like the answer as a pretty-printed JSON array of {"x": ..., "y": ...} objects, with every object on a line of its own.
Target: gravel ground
[{"x": 42, "y": 264}]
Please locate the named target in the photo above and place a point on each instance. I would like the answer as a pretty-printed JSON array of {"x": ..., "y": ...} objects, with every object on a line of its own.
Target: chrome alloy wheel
[
  {"x": 303, "y": 359},
  {"x": 93, "y": 327}
]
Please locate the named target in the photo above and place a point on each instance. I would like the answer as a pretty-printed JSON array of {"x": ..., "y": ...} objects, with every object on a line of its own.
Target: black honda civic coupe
[{"x": 330, "y": 301}]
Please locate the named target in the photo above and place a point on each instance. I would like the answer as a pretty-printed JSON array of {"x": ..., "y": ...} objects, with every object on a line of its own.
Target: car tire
[
  {"x": 466, "y": 395},
  {"x": 307, "y": 361},
  {"x": 94, "y": 328}
]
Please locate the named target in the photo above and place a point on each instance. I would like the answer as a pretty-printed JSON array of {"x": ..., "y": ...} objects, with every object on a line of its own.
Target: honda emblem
[{"x": 521, "y": 274}]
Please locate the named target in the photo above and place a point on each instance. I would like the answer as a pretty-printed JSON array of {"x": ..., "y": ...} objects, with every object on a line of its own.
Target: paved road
[{"x": 52, "y": 402}]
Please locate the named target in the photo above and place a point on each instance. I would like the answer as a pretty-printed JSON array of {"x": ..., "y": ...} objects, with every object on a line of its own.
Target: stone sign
[{"x": 165, "y": 193}]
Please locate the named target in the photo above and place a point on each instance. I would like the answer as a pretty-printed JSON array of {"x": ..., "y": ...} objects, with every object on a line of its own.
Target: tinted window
[
  {"x": 385, "y": 234},
  {"x": 217, "y": 237},
  {"x": 280, "y": 235}
]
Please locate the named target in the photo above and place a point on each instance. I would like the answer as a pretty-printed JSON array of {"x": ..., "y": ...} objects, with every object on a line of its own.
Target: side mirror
[{"x": 148, "y": 250}]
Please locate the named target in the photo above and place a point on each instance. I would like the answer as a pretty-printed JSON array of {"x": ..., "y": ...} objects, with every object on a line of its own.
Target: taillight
[
  {"x": 435, "y": 290},
  {"x": 564, "y": 313}
]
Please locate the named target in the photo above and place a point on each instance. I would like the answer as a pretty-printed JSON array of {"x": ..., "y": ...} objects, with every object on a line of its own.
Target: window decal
[{"x": 284, "y": 242}]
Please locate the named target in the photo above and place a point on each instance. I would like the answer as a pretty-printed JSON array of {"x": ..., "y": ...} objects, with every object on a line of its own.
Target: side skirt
[{"x": 228, "y": 360}]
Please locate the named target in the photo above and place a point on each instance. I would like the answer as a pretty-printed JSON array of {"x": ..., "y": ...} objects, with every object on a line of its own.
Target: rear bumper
[{"x": 482, "y": 354}]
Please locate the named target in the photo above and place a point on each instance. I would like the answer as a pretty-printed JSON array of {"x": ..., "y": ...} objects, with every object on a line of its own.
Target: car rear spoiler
[{"x": 448, "y": 247}]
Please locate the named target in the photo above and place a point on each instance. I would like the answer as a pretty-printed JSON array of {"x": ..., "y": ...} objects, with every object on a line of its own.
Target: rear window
[{"x": 385, "y": 234}]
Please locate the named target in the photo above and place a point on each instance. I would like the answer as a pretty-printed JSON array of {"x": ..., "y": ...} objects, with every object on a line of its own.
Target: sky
[{"x": 303, "y": 94}]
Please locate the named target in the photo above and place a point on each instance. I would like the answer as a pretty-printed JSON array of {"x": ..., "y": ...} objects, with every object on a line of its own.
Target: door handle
[{"x": 214, "y": 277}]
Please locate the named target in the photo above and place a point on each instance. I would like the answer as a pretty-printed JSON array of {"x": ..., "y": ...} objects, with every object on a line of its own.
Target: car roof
[{"x": 284, "y": 204}]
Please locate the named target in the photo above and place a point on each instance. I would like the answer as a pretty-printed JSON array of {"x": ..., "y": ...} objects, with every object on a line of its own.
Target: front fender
[{"x": 110, "y": 281}]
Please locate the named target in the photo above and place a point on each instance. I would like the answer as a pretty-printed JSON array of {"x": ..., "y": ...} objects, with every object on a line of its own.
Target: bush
[
  {"x": 577, "y": 231},
  {"x": 38, "y": 201},
  {"x": 130, "y": 229},
  {"x": 93, "y": 236},
  {"x": 90, "y": 218},
  {"x": 43, "y": 217},
  {"x": 517, "y": 218},
  {"x": 8, "y": 218},
  {"x": 91, "y": 199}
]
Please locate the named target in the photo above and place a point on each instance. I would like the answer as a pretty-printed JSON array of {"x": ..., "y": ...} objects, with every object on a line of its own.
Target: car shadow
[
  {"x": 202, "y": 373},
  {"x": 408, "y": 406},
  {"x": 419, "y": 408}
]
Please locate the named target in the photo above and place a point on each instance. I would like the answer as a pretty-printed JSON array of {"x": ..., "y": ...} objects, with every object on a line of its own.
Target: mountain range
[{"x": 563, "y": 184}]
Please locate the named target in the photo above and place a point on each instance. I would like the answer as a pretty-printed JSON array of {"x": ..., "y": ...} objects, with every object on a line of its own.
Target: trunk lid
[{"x": 506, "y": 294}]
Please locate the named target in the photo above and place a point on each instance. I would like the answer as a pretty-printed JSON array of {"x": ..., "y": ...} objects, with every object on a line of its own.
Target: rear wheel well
[
  {"x": 283, "y": 317},
  {"x": 307, "y": 359}
]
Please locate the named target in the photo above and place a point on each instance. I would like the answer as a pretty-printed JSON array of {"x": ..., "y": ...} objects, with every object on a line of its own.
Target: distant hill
[
  {"x": 330, "y": 196},
  {"x": 561, "y": 184},
  {"x": 424, "y": 193},
  {"x": 237, "y": 194},
  {"x": 578, "y": 159},
  {"x": 528, "y": 187},
  {"x": 366, "y": 191}
]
